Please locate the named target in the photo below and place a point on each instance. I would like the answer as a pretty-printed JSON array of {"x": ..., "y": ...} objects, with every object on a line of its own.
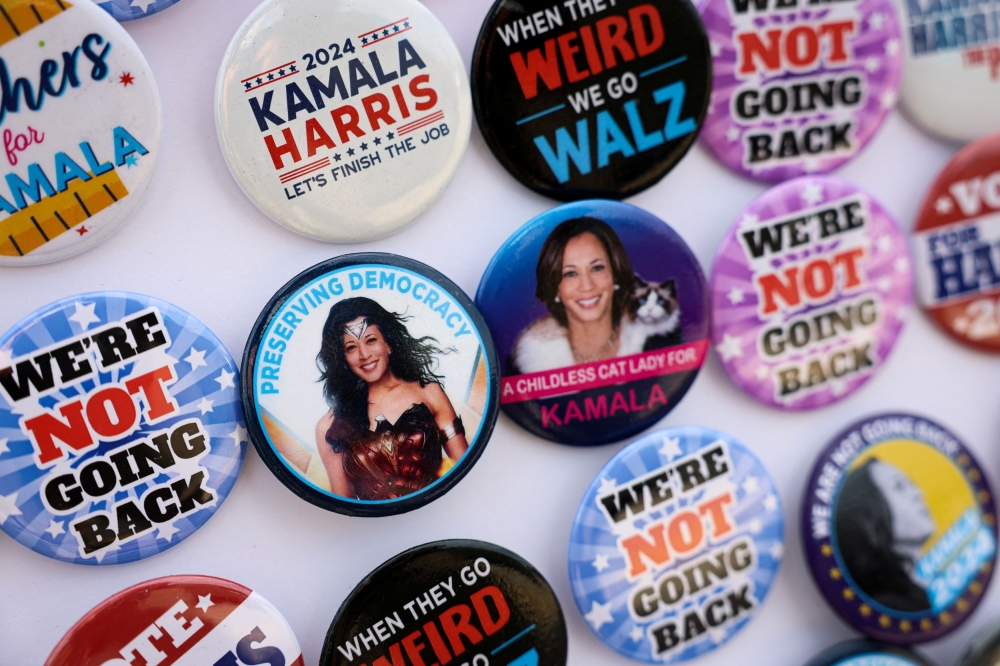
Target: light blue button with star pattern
[
  {"x": 129, "y": 10},
  {"x": 121, "y": 430},
  {"x": 676, "y": 545}
]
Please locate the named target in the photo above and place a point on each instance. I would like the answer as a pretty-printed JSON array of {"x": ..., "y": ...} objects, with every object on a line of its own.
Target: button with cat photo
[{"x": 600, "y": 315}]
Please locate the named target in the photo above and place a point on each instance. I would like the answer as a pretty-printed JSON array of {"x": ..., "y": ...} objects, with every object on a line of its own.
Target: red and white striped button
[{"x": 180, "y": 621}]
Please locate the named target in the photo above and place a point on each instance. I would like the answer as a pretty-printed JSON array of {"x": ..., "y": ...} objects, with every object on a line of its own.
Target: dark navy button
[
  {"x": 121, "y": 430},
  {"x": 371, "y": 384},
  {"x": 675, "y": 545},
  {"x": 467, "y": 601},
  {"x": 600, "y": 311},
  {"x": 867, "y": 653},
  {"x": 899, "y": 528},
  {"x": 591, "y": 99}
]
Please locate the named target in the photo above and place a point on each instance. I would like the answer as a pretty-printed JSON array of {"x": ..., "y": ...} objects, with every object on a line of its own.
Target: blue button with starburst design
[
  {"x": 676, "y": 544},
  {"x": 129, "y": 10},
  {"x": 121, "y": 430}
]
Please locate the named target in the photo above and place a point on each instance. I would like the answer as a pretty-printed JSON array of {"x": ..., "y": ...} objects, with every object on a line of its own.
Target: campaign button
[
  {"x": 860, "y": 652},
  {"x": 343, "y": 120},
  {"x": 951, "y": 73},
  {"x": 81, "y": 129},
  {"x": 600, "y": 313},
  {"x": 800, "y": 88},
  {"x": 371, "y": 384},
  {"x": 121, "y": 430},
  {"x": 180, "y": 620},
  {"x": 128, "y": 10},
  {"x": 582, "y": 99},
  {"x": 675, "y": 545},
  {"x": 955, "y": 242},
  {"x": 899, "y": 528},
  {"x": 810, "y": 287},
  {"x": 462, "y": 600}
]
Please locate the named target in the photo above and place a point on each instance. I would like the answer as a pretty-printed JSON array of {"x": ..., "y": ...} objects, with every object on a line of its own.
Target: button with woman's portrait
[
  {"x": 676, "y": 545},
  {"x": 458, "y": 601},
  {"x": 955, "y": 246},
  {"x": 591, "y": 99},
  {"x": 861, "y": 652},
  {"x": 343, "y": 120},
  {"x": 180, "y": 620},
  {"x": 600, "y": 314},
  {"x": 899, "y": 528},
  {"x": 810, "y": 290},
  {"x": 370, "y": 384}
]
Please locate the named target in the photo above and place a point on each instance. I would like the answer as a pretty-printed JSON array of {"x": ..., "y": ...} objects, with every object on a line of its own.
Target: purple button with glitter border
[
  {"x": 854, "y": 45},
  {"x": 815, "y": 314}
]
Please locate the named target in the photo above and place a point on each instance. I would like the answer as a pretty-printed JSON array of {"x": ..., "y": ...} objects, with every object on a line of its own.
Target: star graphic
[
  {"x": 888, "y": 99},
  {"x": 364, "y": 147},
  {"x": 729, "y": 348},
  {"x": 733, "y": 133},
  {"x": 961, "y": 325},
  {"x": 812, "y": 164},
  {"x": 763, "y": 372},
  {"x": 901, "y": 264},
  {"x": 126, "y": 79},
  {"x": 364, "y": 40},
  {"x": 601, "y": 563},
  {"x": 749, "y": 220},
  {"x": 8, "y": 507},
  {"x": 385, "y": 33},
  {"x": 390, "y": 136},
  {"x": 944, "y": 205},
  {"x": 55, "y": 528},
  {"x": 196, "y": 359},
  {"x": 771, "y": 503},
  {"x": 636, "y": 634},
  {"x": 375, "y": 36},
  {"x": 599, "y": 615},
  {"x": 377, "y": 141},
  {"x": 892, "y": 47},
  {"x": 3, "y": 446},
  {"x": 205, "y": 406},
  {"x": 876, "y": 21},
  {"x": 101, "y": 554},
  {"x": 735, "y": 295},
  {"x": 884, "y": 243},
  {"x": 671, "y": 448},
  {"x": 838, "y": 387},
  {"x": 281, "y": 72},
  {"x": 82, "y": 230},
  {"x": 84, "y": 315},
  {"x": 270, "y": 77},
  {"x": 715, "y": 48},
  {"x": 755, "y": 526},
  {"x": 247, "y": 84},
  {"x": 259, "y": 80},
  {"x": 238, "y": 435},
  {"x": 812, "y": 194},
  {"x": 292, "y": 69},
  {"x": 142, "y": 4},
  {"x": 406, "y": 24},
  {"x": 131, "y": 161},
  {"x": 777, "y": 550},
  {"x": 718, "y": 635},
  {"x": 6, "y": 355},
  {"x": 885, "y": 284},
  {"x": 336, "y": 157},
  {"x": 872, "y": 64},
  {"x": 166, "y": 531},
  {"x": 350, "y": 152},
  {"x": 204, "y": 603},
  {"x": 607, "y": 486},
  {"x": 751, "y": 485},
  {"x": 395, "y": 28},
  {"x": 225, "y": 380}
]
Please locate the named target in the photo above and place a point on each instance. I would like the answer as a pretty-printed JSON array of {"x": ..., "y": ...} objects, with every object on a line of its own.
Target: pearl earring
[
  {"x": 617, "y": 287},
  {"x": 557, "y": 300}
]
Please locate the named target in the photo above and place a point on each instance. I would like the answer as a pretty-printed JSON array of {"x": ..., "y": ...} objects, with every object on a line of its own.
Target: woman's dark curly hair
[
  {"x": 411, "y": 360},
  {"x": 548, "y": 271}
]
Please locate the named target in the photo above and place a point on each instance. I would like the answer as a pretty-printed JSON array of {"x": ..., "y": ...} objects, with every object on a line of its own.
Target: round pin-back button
[
  {"x": 675, "y": 545},
  {"x": 345, "y": 120},
  {"x": 809, "y": 291},
  {"x": 180, "y": 620},
  {"x": 470, "y": 601},
  {"x": 899, "y": 528},
  {"x": 81, "y": 129},
  {"x": 371, "y": 385},
  {"x": 951, "y": 78},
  {"x": 984, "y": 649},
  {"x": 800, "y": 87},
  {"x": 121, "y": 430},
  {"x": 129, "y": 10},
  {"x": 860, "y": 652},
  {"x": 954, "y": 238},
  {"x": 591, "y": 99},
  {"x": 600, "y": 312}
]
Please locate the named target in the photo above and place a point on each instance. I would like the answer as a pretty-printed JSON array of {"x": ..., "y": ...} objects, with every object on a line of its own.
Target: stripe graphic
[
  {"x": 19, "y": 16},
  {"x": 306, "y": 169},
  {"x": 31, "y": 228},
  {"x": 422, "y": 122}
]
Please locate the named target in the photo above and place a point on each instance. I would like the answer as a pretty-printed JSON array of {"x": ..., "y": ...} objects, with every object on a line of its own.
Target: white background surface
[{"x": 198, "y": 242}]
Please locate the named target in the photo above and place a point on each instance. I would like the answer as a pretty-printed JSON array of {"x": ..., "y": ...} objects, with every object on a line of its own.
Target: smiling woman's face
[
  {"x": 587, "y": 287},
  {"x": 911, "y": 521},
  {"x": 368, "y": 356}
]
